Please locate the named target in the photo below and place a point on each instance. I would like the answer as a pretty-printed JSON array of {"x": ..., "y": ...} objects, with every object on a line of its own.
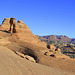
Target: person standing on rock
[{"x": 13, "y": 23}]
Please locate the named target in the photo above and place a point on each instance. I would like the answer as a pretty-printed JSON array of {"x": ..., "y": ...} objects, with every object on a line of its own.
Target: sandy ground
[{"x": 11, "y": 64}]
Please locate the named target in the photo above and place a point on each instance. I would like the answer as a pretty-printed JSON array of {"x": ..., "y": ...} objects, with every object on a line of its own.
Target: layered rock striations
[
  {"x": 23, "y": 32},
  {"x": 55, "y": 38}
]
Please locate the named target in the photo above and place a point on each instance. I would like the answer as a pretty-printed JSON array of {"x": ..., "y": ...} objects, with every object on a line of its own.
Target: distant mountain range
[
  {"x": 56, "y": 38},
  {"x": 66, "y": 44}
]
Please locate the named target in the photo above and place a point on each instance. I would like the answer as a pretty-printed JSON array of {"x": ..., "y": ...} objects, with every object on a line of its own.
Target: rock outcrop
[
  {"x": 26, "y": 56},
  {"x": 51, "y": 47},
  {"x": 11, "y": 64},
  {"x": 26, "y": 42},
  {"x": 55, "y": 52},
  {"x": 23, "y": 32},
  {"x": 19, "y": 21},
  {"x": 25, "y": 35}
]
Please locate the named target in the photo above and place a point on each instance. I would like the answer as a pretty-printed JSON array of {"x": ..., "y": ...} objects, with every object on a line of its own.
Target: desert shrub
[
  {"x": 52, "y": 55},
  {"x": 73, "y": 42},
  {"x": 66, "y": 48},
  {"x": 48, "y": 46}
]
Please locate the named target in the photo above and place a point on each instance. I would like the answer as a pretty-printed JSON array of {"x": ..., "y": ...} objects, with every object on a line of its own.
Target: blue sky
[{"x": 43, "y": 17}]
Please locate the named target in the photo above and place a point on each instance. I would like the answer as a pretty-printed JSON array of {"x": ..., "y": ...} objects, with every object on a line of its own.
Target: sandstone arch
[{"x": 13, "y": 23}]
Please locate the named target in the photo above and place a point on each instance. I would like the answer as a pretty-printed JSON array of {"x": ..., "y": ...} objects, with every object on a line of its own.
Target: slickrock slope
[{"x": 11, "y": 64}]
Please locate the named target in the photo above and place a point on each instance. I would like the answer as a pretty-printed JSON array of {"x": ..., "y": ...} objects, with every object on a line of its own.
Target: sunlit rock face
[{"x": 22, "y": 32}]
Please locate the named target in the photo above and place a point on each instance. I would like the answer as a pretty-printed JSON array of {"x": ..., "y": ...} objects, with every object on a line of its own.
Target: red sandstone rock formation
[{"x": 23, "y": 32}]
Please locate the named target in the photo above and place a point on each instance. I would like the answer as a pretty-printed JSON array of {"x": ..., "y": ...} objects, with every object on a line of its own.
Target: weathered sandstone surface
[
  {"x": 31, "y": 47},
  {"x": 23, "y": 32},
  {"x": 11, "y": 64}
]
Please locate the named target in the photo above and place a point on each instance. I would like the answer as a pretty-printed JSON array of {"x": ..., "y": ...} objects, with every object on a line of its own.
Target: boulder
[
  {"x": 19, "y": 54},
  {"x": 19, "y": 21},
  {"x": 30, "y": 58},
  {"x": 48, "y": 53},
  {"x": 55, "y": 52},
  {"x": 51, "y": 47},
  {"x": 25, "y": 56},
  {"x": 58, "y": 51}
]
